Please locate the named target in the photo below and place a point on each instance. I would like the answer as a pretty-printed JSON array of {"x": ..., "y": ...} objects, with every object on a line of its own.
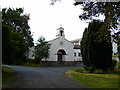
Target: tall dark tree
[
  {"x": 111, "y": 12},
  {"x": 41, "y": 50},
  {"x": 96, "y": 54},
  {"x": 16, "y": 35}
]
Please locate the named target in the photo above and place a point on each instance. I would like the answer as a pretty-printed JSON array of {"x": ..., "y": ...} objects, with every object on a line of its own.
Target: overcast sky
[{"x": 46, "y": 19}]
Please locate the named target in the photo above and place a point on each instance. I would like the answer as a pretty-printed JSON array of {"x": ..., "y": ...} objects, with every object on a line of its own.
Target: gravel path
[{"x": 43, "y": 77}]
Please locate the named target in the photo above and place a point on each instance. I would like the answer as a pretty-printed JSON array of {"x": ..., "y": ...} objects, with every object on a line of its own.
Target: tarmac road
[{"x": 43, "y": 77}]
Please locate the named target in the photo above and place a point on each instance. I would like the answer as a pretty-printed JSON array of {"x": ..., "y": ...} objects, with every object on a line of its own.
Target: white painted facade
[
  {"x": 78, "y": 56},
  {"x": 60, "y": 48},
  {"x": 31, "y": 54},
  {"x": 114, "y": 47},
  {"x": 61, "y": 43},
  {"x": 77, "y": 51}
]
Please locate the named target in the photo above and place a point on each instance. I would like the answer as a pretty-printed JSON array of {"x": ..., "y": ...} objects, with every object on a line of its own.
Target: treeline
[{"x": 16, "y": 36}]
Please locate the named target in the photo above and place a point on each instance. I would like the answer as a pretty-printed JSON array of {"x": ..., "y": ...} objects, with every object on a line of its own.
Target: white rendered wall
[
  {"x": 114, "y": 46},
  {"x": 31, "y": 54},
  {"x": 55, "y": 47},
  {"x": 77, "y": 57}
]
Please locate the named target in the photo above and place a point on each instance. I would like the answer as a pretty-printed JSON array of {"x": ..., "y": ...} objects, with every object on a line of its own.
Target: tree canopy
[
  {"x": 16, "y": 35},
  {"x": 41, "y": 50},
  {"x": 111, "y": 11},
  {"x": 18, "y": 22}
]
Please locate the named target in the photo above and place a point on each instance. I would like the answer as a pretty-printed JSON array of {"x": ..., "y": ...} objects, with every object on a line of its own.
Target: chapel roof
[
  {"x": 76, "y": 46},
  {"x": 76, "y": 40}
]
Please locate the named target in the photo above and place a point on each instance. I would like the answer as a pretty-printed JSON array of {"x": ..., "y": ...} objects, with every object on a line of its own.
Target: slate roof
[
  {"x": 76, "y": 40},
  {"x": 76, "y": 46}
]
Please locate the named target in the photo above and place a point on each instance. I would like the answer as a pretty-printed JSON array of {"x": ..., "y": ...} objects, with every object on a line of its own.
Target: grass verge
[
  {"x": 7, "y": 75},
  {"x": 96, "y": 80}
]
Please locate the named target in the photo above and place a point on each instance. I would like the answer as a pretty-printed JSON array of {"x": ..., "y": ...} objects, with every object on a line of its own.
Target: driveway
[{"x": 43, "y": 77}]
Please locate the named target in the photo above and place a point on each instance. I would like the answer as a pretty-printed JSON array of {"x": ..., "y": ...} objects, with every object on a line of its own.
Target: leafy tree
[
  {"x": 41, "y": 50},
  {"x": 109, "y": 9},
  {"x": 16, "y": 20},
  {"x": 96, "y": 54},
  {"x": 16, "y": 36}
]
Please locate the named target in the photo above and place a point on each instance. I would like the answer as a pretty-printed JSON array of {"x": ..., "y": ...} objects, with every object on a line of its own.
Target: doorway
[{"x": 61, "y": 55}]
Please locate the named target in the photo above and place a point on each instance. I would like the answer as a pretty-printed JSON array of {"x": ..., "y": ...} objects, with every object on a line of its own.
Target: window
[
  {"x": 75, "y": 54},
  {"x": 79, "y": 54}
]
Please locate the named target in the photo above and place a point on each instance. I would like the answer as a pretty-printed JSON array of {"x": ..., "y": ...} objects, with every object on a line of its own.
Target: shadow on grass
[{"x": 7, "y": 75}]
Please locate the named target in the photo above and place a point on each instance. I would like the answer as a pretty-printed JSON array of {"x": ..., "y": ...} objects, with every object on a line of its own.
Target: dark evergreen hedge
[{"x": 95, "y": 53}]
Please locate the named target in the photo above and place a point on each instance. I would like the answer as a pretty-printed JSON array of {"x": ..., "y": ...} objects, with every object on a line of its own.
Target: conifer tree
[{"x": 96, "y": 54}]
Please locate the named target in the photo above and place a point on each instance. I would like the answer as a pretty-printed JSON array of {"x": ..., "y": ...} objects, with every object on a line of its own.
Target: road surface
[{"x": 43, "y": 77}]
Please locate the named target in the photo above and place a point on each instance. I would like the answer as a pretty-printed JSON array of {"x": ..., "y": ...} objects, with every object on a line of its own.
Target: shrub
[
  {"x": 118, "y": 65},
  {"x": 98, "y": 71},
  {"x": 91, "y": 69},
  {"x": 81, "y": 70},
  {"x": 114, "y": 63}
]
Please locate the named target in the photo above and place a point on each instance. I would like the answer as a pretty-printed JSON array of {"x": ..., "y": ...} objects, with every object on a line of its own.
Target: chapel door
[
  {"x": 60, "y": 58},
  {"x": 60, "y": 54}
]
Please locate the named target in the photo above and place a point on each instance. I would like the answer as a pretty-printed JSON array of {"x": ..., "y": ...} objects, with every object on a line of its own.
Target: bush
[
  {"x": 118, "y": 65},
  {"x": 91, "y": 69},
  {"x": 81, "y": 70},
  {"x": 98, "y": 71},
  {"x": 114, "y": 63}
]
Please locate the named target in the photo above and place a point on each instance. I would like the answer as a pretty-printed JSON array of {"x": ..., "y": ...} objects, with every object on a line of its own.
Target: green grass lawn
[
  {"x": 96, "y": 80},
  {"x": 7, "y": 75}
]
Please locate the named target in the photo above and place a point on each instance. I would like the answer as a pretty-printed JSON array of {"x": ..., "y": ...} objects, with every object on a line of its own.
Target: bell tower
[{"x": 60, "y": 32}]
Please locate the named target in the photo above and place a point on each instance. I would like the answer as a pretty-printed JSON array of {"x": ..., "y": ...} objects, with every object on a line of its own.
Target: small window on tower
[{"x": 61, "y": 33}]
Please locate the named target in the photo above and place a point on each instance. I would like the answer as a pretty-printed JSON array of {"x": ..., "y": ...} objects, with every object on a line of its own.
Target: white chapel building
[{"x": 62, "y": 50}]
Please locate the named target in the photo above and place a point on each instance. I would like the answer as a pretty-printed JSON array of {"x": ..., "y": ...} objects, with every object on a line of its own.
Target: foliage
[
  {"x": 114, "y": 63},
  {"x": 96, "y": 71},
  {"x": 96, "y": 55},
  {"x": 91, "y": 69},
  {"x": 16, "y": 36},
  {"x": 92, "y": 80},
  {"x": 41, "y": 50},
  {"x": 99, "y": 71},
  {"x": 81, "y": 70},
  {"x": 109, "y": 9},
  {"x": 118, "y": 44},
  {"x": 118, "y": 65}
]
